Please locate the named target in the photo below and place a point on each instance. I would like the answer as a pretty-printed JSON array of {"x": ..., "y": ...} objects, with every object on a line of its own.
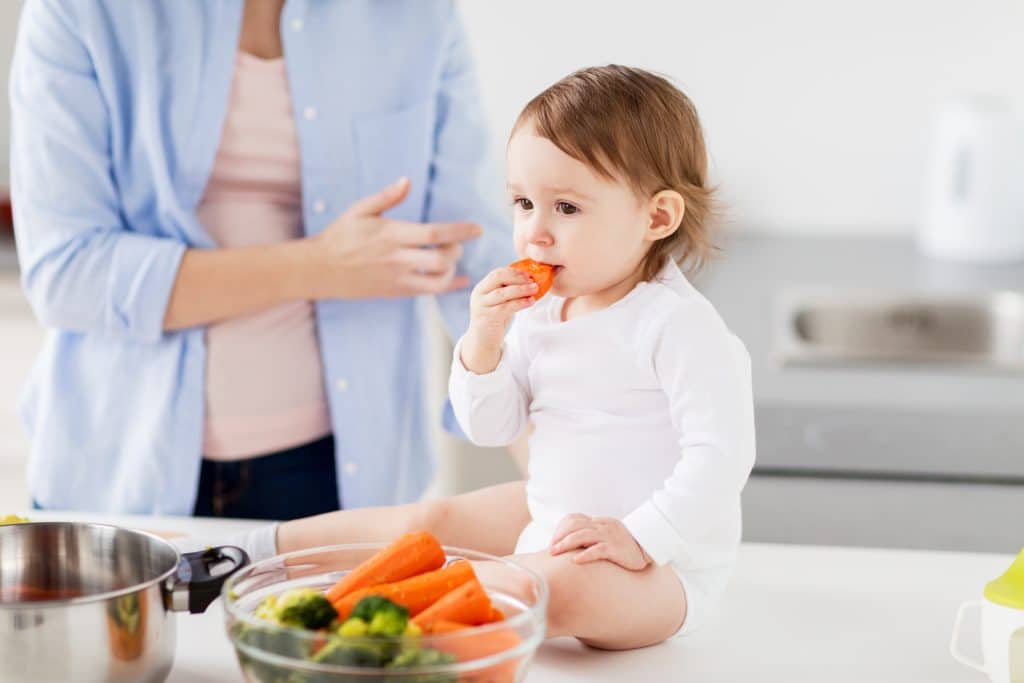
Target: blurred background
[{"x": 878, "y": 293}]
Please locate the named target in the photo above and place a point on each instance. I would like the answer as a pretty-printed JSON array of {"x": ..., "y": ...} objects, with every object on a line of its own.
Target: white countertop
[{"x": 792, "y": 613}]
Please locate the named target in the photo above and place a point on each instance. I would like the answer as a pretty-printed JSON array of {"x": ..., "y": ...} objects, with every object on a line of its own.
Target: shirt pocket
[{"x": 394, "y": 143}]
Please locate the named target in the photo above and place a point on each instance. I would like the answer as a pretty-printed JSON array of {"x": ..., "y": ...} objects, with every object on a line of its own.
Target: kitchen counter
[{"x": 792, "y": 613}]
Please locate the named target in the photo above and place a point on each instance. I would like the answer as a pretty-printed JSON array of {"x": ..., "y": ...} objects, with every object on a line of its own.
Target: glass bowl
[{"x": 492, "y": 653}]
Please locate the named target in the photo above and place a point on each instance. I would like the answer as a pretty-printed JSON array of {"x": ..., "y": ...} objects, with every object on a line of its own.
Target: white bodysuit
[{"x": 642, "y": 411}]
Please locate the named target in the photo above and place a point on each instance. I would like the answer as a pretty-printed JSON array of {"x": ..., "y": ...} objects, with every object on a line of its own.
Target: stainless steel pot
[{"x": 92, "y": 602}]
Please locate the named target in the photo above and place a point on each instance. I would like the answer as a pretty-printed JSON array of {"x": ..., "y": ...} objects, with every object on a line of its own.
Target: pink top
[{"x": 264, "y": 381}]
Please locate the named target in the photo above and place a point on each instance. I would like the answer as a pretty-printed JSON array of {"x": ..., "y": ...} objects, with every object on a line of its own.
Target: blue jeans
[
  {"x": 296, "y": 482},
  {"x": 293, "y": 483}
]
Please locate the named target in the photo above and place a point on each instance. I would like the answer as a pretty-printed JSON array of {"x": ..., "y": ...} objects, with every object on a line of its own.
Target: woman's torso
[
  {"x": 264, "y": 379},
  {"x": 116, "y": 418}
]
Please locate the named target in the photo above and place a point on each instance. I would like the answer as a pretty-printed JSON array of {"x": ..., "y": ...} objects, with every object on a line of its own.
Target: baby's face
[{"x": 591, "y": 227}]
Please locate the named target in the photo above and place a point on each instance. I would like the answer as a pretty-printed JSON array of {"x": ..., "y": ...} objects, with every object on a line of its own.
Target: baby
[{"x": 638, "y": 395}]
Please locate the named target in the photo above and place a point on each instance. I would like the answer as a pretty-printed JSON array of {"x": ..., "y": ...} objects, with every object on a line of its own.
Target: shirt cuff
[
  {"x": 655, "y": 534},
  {"x": 481, "y": 385},
  {"x": 141, "y": 279}
]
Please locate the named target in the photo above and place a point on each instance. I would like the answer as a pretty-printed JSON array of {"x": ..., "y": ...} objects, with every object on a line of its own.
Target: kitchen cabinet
[
  {"x": 883, "y": 513},
  {"x": 897, "y": 454}
]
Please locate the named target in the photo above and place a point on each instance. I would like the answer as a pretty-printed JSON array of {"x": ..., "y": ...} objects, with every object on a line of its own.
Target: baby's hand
[
  {"x": 602, "y": 538},
  {"x": 493, "y": 302}
]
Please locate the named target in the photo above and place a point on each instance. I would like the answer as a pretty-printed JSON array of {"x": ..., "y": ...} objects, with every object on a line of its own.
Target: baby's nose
[{"x": 538, "y": 233}]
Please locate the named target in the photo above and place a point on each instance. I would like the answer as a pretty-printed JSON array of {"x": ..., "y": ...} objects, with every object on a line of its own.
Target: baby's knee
[{"x": 564, "y": 578}]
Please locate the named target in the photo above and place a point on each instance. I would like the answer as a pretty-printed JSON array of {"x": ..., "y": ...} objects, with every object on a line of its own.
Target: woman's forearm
[{"x": 216, "y": 284}]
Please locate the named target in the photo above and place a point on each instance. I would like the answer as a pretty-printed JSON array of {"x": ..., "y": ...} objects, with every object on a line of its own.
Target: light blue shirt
[{"x": 117, "y": 109}]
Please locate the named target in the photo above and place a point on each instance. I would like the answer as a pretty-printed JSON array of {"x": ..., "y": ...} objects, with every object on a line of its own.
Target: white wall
[
  {"x": 816, "y": 110},
  {"x": 9, "y": 10}
]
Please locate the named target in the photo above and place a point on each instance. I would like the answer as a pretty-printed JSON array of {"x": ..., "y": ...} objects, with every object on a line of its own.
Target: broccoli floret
[
  {"x": 305, "y": 608},
  {"x": 415, "y": 657},
  {"x": 382, "y": 616},
  {"x": 421, "y": 657},
  {"x": 367, "y": 608},
  {"x": 353, "y": 628},
  {"x": 267, "y": 609},
  {"x": 388, "y": 624},
  {"x": 270, "y": 639},
  {"x": 345, "y": 652}
]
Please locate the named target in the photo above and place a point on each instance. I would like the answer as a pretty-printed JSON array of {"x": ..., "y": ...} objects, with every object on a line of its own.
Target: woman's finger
[
  {"x": 409, "y": 234},
  {"x": 457, "y": 283},
  {"x": 429, "y": 283},
  {"x": 380, "y": 201},
  {"x": 430, "y": 261}
]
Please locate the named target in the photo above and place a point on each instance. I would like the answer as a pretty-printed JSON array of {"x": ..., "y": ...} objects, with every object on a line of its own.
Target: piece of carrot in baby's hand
[{"x": 541, "y": 273}]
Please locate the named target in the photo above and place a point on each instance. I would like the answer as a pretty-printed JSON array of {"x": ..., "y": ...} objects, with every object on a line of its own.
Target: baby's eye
[
  {"x": 566, "y": 208},
  {"x": 523, "y": 203}
]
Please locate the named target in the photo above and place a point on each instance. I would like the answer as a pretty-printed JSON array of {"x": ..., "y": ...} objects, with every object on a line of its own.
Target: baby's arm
[
  {"x": 693, "y": 520},
  {"x": 487, "y": 386}
]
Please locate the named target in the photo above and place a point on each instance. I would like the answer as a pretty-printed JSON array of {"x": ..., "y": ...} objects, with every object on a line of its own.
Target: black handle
[{"x": 194, "y": 572}]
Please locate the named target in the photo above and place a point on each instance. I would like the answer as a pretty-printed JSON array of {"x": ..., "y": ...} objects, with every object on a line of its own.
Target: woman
[{"x": 199, "y": 189}]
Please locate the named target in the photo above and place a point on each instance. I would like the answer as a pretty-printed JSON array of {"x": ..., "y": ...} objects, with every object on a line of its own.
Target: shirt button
[
  {"x": 350, "y": 468},
  {"x": 309, "y": 113},
  {"x": 319, "y": 206},
  {"x": 296, "y": 25},
  {"x": 341, "y": 384}
]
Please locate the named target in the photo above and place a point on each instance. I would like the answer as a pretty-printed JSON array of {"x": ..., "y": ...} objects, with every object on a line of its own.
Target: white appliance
[{"x": 974, "y": 193}]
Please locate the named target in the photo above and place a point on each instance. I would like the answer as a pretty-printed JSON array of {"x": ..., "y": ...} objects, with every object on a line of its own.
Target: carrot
[
  {"x": 442, "y": 626},
  {"x": 469, "y": 646},
  {"x": 408, "y": 556},
  {"x": 467, "y": 604},
  {"x": 416, "y": 593},
  {"x": 541, "y": 273},
  {"x": 495, "y": 615}
]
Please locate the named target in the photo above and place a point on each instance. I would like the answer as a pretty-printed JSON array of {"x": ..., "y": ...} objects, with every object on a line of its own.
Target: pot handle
[{"x": 194, "y": 586}]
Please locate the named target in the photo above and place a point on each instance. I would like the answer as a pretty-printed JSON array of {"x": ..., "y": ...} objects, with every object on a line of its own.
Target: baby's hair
[{"x": 633, "y": 124}]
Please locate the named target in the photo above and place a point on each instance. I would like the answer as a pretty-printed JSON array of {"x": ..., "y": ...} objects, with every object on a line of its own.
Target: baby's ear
[{"x": 666, "y": 214}]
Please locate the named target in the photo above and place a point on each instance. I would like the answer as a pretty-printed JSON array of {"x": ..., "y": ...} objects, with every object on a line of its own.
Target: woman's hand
[
  {"x": 601, "y": 538},
  {"x": 493, "y": 302},
  {"x": 364, "y": 255},
  {"x": 359, "y": 255}
]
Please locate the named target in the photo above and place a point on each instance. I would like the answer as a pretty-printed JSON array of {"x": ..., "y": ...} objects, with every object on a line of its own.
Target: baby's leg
[
  {"x": 606, "y": 606},
  {"x": 489, "y": 520}
]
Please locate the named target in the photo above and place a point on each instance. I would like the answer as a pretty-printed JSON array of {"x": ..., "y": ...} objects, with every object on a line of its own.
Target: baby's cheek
[{"x": 519, "y": 243}]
